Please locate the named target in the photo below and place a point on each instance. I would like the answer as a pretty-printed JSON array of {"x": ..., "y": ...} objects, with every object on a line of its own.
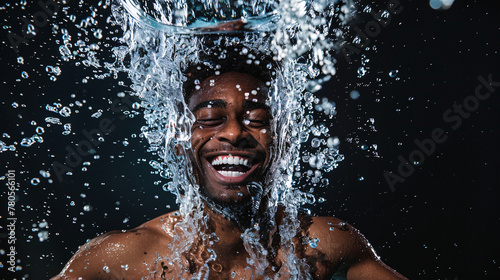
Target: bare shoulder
[
  {"x": 346, "y": 250},
  {"x": 123, "y": 254},
  {"x": 337, "y": 239}
]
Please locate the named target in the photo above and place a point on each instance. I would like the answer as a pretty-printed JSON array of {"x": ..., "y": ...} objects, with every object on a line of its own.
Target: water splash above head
[{"x": 164, "y": 39}]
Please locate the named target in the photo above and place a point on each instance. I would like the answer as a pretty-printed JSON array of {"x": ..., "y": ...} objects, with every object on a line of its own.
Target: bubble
[
  {"x": 44, "y": 173},
  {"x": 314, "y": 243},
  {"x": 361, "y": 71},
  {"x": 35, "y": 181},
  {"x": 27, "y": 142},
  {"x": 315, "y": 142},
  {"x": 97, "y": 114},
  {"x": 65, "y": 111},
  {"x": 354, "y": 94},
  {"x": 333, "y": 142},
  {"x": 43, "y": 235},
  {"x": 24, "y": 75},
  {"x": 393, "y": 73},
  {"x": 441, "y": 4}
]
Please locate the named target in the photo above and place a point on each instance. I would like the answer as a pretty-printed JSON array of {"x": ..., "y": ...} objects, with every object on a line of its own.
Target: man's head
[{"x": 231, "y": 137}]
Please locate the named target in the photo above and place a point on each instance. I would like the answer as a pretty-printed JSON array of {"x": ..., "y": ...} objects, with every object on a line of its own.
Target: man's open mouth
[{"x": 232, "y": 166}]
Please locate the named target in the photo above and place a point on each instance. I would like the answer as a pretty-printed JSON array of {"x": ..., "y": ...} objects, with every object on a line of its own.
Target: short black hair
[{"x": 215, "y": 60}]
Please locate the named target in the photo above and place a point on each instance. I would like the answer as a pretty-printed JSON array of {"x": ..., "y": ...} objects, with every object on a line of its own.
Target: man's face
[{"x": 231, "y": 136}]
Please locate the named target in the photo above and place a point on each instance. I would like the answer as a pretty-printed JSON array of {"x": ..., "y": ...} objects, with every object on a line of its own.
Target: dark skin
[{"x": 230, "y": 123}]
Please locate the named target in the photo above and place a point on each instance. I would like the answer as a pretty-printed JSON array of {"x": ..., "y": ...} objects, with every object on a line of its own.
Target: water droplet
[
  {"x": 315, "y": 142},
  {"x": 98, "y": 33},
  {"x": 314, "y": 243},
  {"x": 354, "y": 94},
  {"x": 43, "y": 235},
  {"x": 361, "y": 71},
  {"x": 45, "y": 174},
  {"x": 65, "y": 111}
]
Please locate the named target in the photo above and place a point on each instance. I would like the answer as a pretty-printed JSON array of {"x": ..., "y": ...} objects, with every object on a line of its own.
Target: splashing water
[{"x": 158, "y": 47}]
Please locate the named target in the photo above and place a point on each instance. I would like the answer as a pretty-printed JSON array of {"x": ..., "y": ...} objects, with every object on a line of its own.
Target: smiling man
[
  {"x": 231, "y": 151},
  {"x": 231, "y": 136}
]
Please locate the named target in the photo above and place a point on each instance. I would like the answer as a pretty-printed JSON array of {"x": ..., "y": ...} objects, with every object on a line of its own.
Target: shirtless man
[{"x": 227, "y": 123}]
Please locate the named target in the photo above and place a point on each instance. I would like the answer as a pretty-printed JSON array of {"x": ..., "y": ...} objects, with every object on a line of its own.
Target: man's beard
[{"x": 245, "y": 213}]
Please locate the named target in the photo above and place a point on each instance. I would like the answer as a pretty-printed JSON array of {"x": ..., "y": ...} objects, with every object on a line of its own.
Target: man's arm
[
  {"x": 372, "y": 269},
  {"x": 114, "y": 255},
  {"x": 348, "y": 250},
  {"x": 78, "y": 266},
  {"x": 364, "y": 263}
]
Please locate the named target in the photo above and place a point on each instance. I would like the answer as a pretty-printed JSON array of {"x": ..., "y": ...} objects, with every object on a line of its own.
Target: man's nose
[{"x": 234, "y": 133}]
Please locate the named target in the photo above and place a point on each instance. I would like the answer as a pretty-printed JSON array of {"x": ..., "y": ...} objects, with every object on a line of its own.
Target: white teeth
[
  {"x": 230, "y": 173},
  {"x": 232, "y": 160}
]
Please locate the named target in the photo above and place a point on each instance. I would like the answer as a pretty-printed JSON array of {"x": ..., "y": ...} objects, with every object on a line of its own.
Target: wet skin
[
  {"x": 229, "y": 123},
  {"x": 232, "y": 120}
]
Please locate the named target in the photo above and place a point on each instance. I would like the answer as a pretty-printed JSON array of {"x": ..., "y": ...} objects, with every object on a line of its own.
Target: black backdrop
[{"x": 441, "y": 222}]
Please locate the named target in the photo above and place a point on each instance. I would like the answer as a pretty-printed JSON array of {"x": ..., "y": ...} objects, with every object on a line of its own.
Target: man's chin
[{"x": 231, "y": 198}]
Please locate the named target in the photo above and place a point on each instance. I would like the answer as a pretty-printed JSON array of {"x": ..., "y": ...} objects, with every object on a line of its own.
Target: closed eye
[
  {"x": 256, "y": 123},
  {"x": 210, "y": 122}
]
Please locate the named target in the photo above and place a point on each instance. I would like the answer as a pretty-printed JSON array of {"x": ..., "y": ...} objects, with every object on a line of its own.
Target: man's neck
[
  {"x": 227, "y": 230},
  {"x": 229, "y": 222}
]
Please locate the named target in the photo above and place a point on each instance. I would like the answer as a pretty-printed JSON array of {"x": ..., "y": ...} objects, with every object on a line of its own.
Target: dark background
[{"x": 440, "y": 223}]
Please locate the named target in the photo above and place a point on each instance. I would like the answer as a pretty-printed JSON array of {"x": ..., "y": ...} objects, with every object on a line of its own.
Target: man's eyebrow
[
  {"x": 217, "y": 103},
  {"x": 255, "y": 105}
]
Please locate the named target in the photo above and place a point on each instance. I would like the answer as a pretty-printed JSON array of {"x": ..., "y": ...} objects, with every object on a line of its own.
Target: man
[{"x": 231, "y": 149}]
